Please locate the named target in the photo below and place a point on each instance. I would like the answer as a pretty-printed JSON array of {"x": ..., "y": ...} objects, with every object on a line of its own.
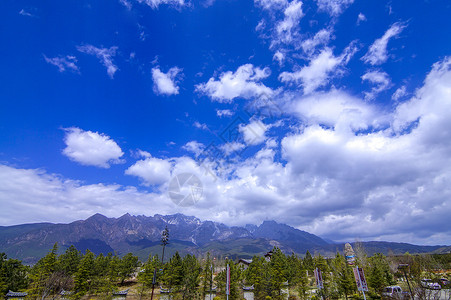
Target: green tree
[
  {"x": 303, "y": 284},
  {"x": 294, "y": 266},
  {"x": 84, "y": 274},
  {"x": 343, "y": 276},
  {"x": 145, "y": 276},
  {"x": 68, "y": 262},
  {"x": 13, "y": 275},
  {"x": 127, "y": 266},
  {"x": 207, "y": 275},
  {"x": 191, "y": 276},
  {"x": 378, "y": 274},
  {"x": 45, "y": 277},
  {"x": 173, "y": 272},
  {"x": 321, "y": 263},
  {"x": 279, "y": 274},
  {"x": 235, "y": 279},
  {"x": 308, "y": 262}
]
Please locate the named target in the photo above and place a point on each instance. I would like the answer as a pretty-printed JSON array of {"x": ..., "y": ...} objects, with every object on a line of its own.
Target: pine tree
[
  {"x": 44, "y": 276},
  {"x": 145, "y": 277},
  {"x": 173, "y": 272},
  {"x": 235, "y": 279},
  {"x": 68, "y": 262},
  {"x": 279, "y": 268},
  {"x": 84, "y": 274},
  {"x": 207, "y": 275},
  {"x": 379, "y": 274},
  {"x": 308, "y": 262},
  {"x": 191, "y": 276},
  {"x": 343, "y": 276},
  {"x": 13, "y": 275},
  {"x": 127, "y": 266}
]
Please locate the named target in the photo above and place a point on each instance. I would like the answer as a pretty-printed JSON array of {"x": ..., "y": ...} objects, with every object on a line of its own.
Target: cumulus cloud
[
  {"x": 322, "y": 37},
  {"x": 399, "y": 93},
  {"x": 91, "y": 148},
  {"x": 165, "y": 83},
  {"x": 334, "y": 7},
  {"x": 194, "y": 147},
  {"x": 319, "y": 70},
  {"x": 64, "y": 63},
  {"x": 337, "y": 109},
  {"x": 377, "y": 53},
  {"x": 105, "y": 55},
  {"x": 152, "y": 171},
  {"x": 243, "y": 83},
  {"x": 389, "y": 172},
  {"x": 254, "y": 132},
  {"x": 43, "y": 197},
  {"x": 232, "y": 147},
  {"x": 285, "y": 29},
  {"x": 379, "y": 79}
]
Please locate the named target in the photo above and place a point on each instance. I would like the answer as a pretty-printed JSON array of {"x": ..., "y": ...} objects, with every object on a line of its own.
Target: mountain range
[{"x": 141, "y": 236}]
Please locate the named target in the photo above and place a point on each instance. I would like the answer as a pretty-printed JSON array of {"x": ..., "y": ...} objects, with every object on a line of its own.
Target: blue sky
[{"x": 332, "y": 116}]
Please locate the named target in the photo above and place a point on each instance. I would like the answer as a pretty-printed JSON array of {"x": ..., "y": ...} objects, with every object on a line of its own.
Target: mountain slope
[{"x": 141, "y": 236}]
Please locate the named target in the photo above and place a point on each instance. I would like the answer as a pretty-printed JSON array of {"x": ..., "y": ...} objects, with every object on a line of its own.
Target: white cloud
[
  {"x": 23, "y": 12},
  {"x": 244, "y": 83},
  {"x": 68, "y": 62},
  {"x": 156, "y": 3},
  {"x": 399, "y": 93},
  {"x": 279, "y": 57},
  {"x": 165, "y": 83},
  {"x": 285, "y": 29},
  {"x": 381, "y": 80},
  {"x": 360, "y": 18},
  {"x": 202, "y": 126},
  {"x": 105, "y": 55},
  {"x": 336, "y": 109},
  {"x": 320, "y": 69},
  {"x": 254, "y": 132},
  {"x": 389, "y": 172},
  {"x": 43, "y": 197},
  {"x": 152, "y": 171},
  {"x": 224, "y": 113},
  {"x": 322, "y": 37},
  {"x": 334, "y": 7},
  {"x": 232, "y": 147},
  {"x": 91, "y": 148},
  {"x": 194, "y": 147},
  {"x": 271, "y": 4},
  {"x": 126, "y": 3},
  {"x": 377, "y": 53}
]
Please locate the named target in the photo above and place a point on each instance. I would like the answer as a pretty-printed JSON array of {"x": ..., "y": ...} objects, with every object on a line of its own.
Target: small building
[
  {"x": 120, "y": 295},
  {"x": 268, "y": 256},
  {"x": 15, "y": 295},
  {"x": 244, "y": 263},
  {"x": 248, "y": 292}
]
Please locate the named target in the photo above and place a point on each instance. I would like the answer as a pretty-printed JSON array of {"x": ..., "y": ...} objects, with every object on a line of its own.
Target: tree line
[{"x": 191, "y": 277}]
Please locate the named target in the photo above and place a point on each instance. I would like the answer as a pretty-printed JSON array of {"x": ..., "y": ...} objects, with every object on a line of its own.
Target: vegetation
[{"x": 191, "y": 278}]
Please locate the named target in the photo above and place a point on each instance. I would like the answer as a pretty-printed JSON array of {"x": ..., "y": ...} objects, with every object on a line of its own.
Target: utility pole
[{"x": 164, "y": 242}]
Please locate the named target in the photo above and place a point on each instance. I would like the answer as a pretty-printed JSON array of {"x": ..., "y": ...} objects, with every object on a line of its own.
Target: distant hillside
[{"x": 141, "y": 236}]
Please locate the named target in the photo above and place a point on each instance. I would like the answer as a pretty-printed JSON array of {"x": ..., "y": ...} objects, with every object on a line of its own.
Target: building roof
[
  {"x": 124, "y": 292},
  {"x": 16, "y": 294},
  {"x": 245, "y": 261}
]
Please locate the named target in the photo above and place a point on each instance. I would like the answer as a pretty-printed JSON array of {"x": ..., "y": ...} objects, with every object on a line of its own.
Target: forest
[{"x": 90, "y": 276}]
